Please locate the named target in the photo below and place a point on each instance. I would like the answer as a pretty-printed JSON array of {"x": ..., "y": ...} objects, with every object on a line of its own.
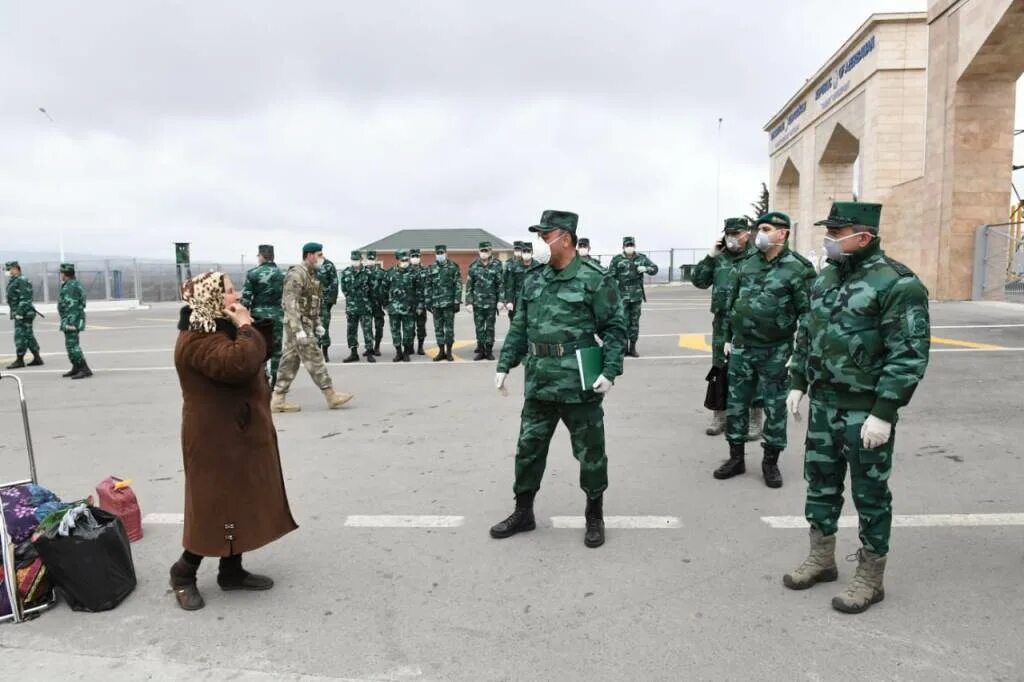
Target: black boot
[
  {"x": 376, "y": 346},
  {"x": 631, "y": 350},
  {"x": 353, "y": 355},
  {"x": 635, "y": 353},
  {"x": 489, "y": 351},
  {"x": 770, "y": 468},
  {"x": 399, "y": 354},
  {"x": 37, "y": 360},
  {"x": 183, "y": 582},
  {"x": 442, "y": 352},
  {"x": 419, "y": 348},
  {"x": 594, "y": 537},
  {"x": 83, "y": 371},
  {"x": 71, "y": 372},
  {"x": 370, "y": 356},
  {"x": 479, "y": 353},
  {"x": 451, "y": 358},
  {"x": 520, "y": 521},
  {"x": 327, "y": 357},
  {"x": 735, "y": 465},
  {"x": 17, "y": 364},
  {"x": 232, "y": 576},
  {"x": 407, "y": 353}
]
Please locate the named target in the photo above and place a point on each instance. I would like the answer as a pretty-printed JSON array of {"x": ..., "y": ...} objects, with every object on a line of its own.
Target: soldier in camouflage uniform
[
  {"x": 71, "y": 309},
  {"x": 444, "y": 292},
  {"x": 717, "y": 271},
  {"x": 301, "y": 303},
  {"x": 770, "y": 295},
  {"x": 583, "y": 249},
  {"x": 564, "y": 305},
  {"x": 261, "y": 295},
  {"x": 355, "y": 284},
  {"x": 484, "y": 296},
  {"x": 861, "y": 353},
  {"x": 401, "y": 291},
  {"x": 23, "y": 312},
  {"x": 377, "y": 303},
  {"x": 628, "y": 269},
  {"x": 515, "y": 274},
  {"x": 328, "y": 276},
  {"x": 422, "y": 276}
]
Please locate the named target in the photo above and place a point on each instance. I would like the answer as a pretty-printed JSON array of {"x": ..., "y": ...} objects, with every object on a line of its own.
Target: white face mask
[
  {"x": 357, "y": 263},
  {"x": 763, "y": 241},
  {"x": 517, "y": 254},
  {"x": 415, "y": 261},
  {"x": 541, "y": 251},
  {"x": 403, "y": 263},
  {"x": 733, "y": 243},
  {"x": 583, "y": 252},
  {"x": 442, "y": 257},
  {"x": 485, "y": 255},
  {"x": 527, "y": 257},
  {"x": 833, "y": 248},
  {"x": 629, "y": 250}
]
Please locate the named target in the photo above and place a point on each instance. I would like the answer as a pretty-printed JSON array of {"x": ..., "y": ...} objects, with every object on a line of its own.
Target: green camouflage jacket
[
  {"x": 444, "y": 285},
  {"x": 355, "y": 284},
  {"x": 19, "y": 298},
  {"x": 422, "y": 275},
  {"x": 401, "y": 291},
  {"x": 515, "y": 275},
  {"x": 557, "y": 307},
  {"x": 485, "y": 283},
  {"x": 718, "y": 273},
  {"x": 864, "y": 344},
  {"x": 591, "y": 259},
  {"x": 264, "y": 285},
  {"x": 328, "y": 276},
  {"x": 71, "y": 306},
  {"x": 378, "y": 276},
  {"x": 631, "y": 283},
  {"x": 768, "y": 299},
  {"x": 301, "y": 299}
]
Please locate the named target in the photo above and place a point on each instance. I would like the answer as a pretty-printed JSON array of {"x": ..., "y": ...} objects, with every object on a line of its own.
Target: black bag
[
  {"x": 718, "y": 388},
  {"x": 92, "y": 567}
]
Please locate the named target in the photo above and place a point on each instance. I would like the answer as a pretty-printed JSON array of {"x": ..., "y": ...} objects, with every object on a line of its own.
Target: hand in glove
[
  {"x": 499, "y": 382},
  {"x": 602, "y": 385},
  {"x": 793, "y": 403},
  {"x": 500, "y": 307},
  {"x": 302, "y": 337},
  {"x": 641, "y": 269},
  {"x": 510, "y": 307},
  {"x": 717, "y": 249},
  {"x": 875, "y": 433},
  {"x": 320, "y": 331},
  {"x": 70, "y": 328},
  {"x": 469, "y": 307},
  {"x": 728, "y": 349}
]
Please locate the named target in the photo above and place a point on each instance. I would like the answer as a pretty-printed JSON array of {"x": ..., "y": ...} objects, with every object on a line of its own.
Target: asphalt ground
[{"x": 697, "y": 596}]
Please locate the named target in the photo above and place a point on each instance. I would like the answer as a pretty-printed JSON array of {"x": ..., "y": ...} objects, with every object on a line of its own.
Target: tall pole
[
  {"x": 60, "y": 227},
  {"x": 718, "y": 178}
]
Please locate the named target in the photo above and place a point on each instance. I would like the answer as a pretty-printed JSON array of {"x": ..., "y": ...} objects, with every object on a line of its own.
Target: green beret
[
  {"x": 584, "y": 242},
  {"x": 557, "y": 220},
  {"x": 628, "y": 241},
  {"x": 440, "y": 248},
  {"x": 846, "y": 213},
  {"x": 485, "y": 246},
  {"x": 357, "y": 255},
  {"x": 312, "y": 247},
  {"x": 736, "y": 225},
  {"x": 402, "y": 254},
  {"x": 775, "y": 219},
  {"x": 266, "y": 250},
  {"x": 67, "y": 268},
  {"x": 372, "y": 255},
  {"x": 11, "y": 264}
]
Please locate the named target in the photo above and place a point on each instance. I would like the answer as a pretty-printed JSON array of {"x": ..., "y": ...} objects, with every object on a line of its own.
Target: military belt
[{"x": 557, "y": 350}]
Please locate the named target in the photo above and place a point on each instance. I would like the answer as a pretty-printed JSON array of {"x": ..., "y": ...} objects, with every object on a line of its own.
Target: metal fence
[
  {"x": 674, "y": 265},
  {"x": 999, "y": 262}
]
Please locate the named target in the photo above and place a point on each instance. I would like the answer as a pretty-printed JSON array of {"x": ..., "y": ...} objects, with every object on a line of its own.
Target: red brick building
[{"x": 463, "y": 245}]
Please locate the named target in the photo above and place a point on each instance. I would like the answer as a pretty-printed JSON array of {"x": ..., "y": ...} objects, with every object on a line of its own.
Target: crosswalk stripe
[
  {"x": 621, "y": 522},
  {"x": 911, "y": 521},
  {"x": 400, "y": 521}
]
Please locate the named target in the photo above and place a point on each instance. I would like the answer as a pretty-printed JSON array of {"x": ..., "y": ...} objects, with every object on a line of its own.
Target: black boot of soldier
[
  {"x": 407, "y": 353},
  {"x": 37, "y": 360},
  {"x": 489, "y": 351},
  {"x": 327, "y": 357},
  {"x": 399, "y": 354},
  {"x": 442, "y": 353},
  {"x": 479, "y": 354},
  {"x": 594, "y": 536},
  {"x": 376, "y": 347},
  {"x": 419, "y": 348},
  {"x": 735, "y": 465},
  {"x": 451, "y": 358},
  {"x": 635, "y": 354},
  {"x": 370, "y": 356},
  {"x": 71, "y": 372},
  {"x": 770, "y": 468},
  {"x": 353, "y": 356},
  {"x": 520, "y": 521},
  {"x": 83, "y": 371},
  {"x": 18, "y": 363}
]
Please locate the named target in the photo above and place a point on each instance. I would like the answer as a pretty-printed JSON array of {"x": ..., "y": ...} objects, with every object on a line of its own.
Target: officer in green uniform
[
  {"x": 401, "y": 291},
  {"x": 261, "y": 294},
  {"x": 328, "y": 276},
  {"x": 583, "y": 249},
  {"x": 443, "y": 295},
  {"x": 421, "y": 274},
  {"x": 564, "y": 305},
  {"x": 861, "y": 353},
  {"x": 484, "y": 296},
  {"x": 71, "y": 310},
  {"x": 23, "y": 312},
  {"x": 628, "y": 269},
  {"x": 770, "y": 294},
  {"x": 377, "y": 276},
  {"x": 716, "y": 272},
  {"x": 355, "y": 284},
  {"x": 515, "y": 274}
]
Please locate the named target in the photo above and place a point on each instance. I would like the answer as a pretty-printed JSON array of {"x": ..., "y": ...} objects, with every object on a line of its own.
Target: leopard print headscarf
[{"x": 204, "y": 294}]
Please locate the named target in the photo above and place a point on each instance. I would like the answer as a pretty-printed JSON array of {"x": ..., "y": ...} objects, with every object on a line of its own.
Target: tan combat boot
[
  {"x": 336, "y": 400},
  {"x": 818, "y": 567},
  {"x": 755, "y": 429},
  {"x": 278, "y": 404},
  {"x": 717, "y": 425},
  {"x": 866, "y": 587}
]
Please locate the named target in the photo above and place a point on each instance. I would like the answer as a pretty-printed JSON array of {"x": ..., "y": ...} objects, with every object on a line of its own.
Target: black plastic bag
[
  {"x": 718, "y": 388},
  {"x": 92, "y": 567}
]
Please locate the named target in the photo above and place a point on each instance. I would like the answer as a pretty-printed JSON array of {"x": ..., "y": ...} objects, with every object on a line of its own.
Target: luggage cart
[{"x": 18, "y": 613}]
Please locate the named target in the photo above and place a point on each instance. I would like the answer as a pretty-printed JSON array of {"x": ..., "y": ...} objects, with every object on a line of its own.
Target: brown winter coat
[{"x": 235, "y": 499}]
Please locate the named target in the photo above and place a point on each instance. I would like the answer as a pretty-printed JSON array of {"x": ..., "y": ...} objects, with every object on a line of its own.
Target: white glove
[
  {"x": 70, "y": 328},
  {"x": 469, "y": 307},
  {"x": 301, "y": 336},
  {"x": 501, "y": 307},
  {"x": 499, "y": 382},
  {"x": 875, "y": 433},
  {"x": 716, "y": 250},
  {"x": 728, "y": 349},
  {"x": 793, "y": 403},
  {"x": 509, "y": 307},
  {"x": 320, "y": 331},
  {"x": 641, "y": 268},
  {"x": 602, "y": 385}
]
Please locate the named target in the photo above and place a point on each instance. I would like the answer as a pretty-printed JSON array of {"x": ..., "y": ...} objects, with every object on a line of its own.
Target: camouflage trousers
[
  {"x": 585, "y": 422},
  {"x": 352, "y": 322},
  {"x": 402, "y": 328},
  {"x": 632, "y": 311},
  {"x": 24, "y": 337},
  {"x": 756, "y": 372},
  {"x": 296, "y": 354},
  {"x": 484, "y": 317},
  {"x": 325, "y": 322},
  {"x": 275, "y": 315},
  {"x": 421, "y": 325},
  {"x": 718, "y": 358},
  {"x": 378, "y": 323},
  {"x": 833, "y": 443},
  {"x": 444, "y": 325},
  {"x": 73, "y": 348}
]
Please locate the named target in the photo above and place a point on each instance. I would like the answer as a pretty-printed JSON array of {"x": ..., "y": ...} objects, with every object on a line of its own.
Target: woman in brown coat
[{"x": 235, "y": 500}]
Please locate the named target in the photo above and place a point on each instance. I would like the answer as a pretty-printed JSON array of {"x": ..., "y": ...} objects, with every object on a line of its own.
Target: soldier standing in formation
[
  {"x": 261, "y": 295},
  {"x": 628, "y": 268},
  {"x": 71, "y": 310},
  {"x": 444, "y": 292},
  {"x": 770, "y": 295},
  {"x": 328, "y": 276},
  {"x": 717, "y": 271},
  {"x": 515, "y": 273},
  {"x": 301, "y": 303},
  {"x": 355, "y": 284},
  {"x": 861, "y": 353},
  {"x": 484, "y": 295},
  {"x": 377, "y": 302},
  {"x": 583, "y": 249},
  {"x": 421, "y": 274},
  {"x": 23, "y": 312},
  {"x": 563, "y": 307},
  {"x": 401, "y": 291}
]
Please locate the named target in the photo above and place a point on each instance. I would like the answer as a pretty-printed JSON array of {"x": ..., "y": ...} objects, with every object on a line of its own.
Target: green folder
[{"x": 591, "y": 362}]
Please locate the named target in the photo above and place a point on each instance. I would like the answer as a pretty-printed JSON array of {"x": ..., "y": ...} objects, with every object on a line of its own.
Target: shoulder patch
[{"x": 901, "y": 269}]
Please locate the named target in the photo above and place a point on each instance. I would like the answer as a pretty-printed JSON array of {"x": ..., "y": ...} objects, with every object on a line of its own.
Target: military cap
[
  {"x": 485, "y": 246},
  {"x": 11, "y": 264},
  {"x": 846, "y": 213},
  {"x": 775, "y": 219},
  {"x": 440, "y": 248},
  {"x": 628, "y": 241},
  {"x": 372, "y": 255},
  {"x": 414, "y": 253},
  {"x": 266, "y": 250},
  {"x": 357, "y": 255},
  {"x": 527, "y": 246},
  {"x": 584, "y": 242},
  {"x": 557, "y": 220},
  {"x": 67, "y": 268},
  {"x": 735, "y": 225},
  {"x": 312, "y": 247},
  {"x": 517, "y": 245},
  {"x": 402, "y": 254}
]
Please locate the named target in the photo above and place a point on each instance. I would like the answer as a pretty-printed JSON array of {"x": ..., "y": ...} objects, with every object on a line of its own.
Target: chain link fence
[
  {"x": 999, "y": 262},
  {"x": 674, "y": 265}
]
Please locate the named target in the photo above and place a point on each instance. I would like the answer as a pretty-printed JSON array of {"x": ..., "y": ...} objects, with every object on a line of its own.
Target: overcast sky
[{"x": 229, "y": 124}]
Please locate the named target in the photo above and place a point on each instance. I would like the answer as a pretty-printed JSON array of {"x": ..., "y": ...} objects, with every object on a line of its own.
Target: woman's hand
[{"x": 238, "y": 314}]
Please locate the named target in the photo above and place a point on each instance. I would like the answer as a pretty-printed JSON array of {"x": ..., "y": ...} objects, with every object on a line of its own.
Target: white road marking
[
  {"x": 427, "y": 521},
  {"x": 977, "y": 326},
  {"x": 621, "y": 522},
  {"x": 911, "y": 521},
  {"x": 389, "y": 521},
  {"x": 164, "y": 519}
]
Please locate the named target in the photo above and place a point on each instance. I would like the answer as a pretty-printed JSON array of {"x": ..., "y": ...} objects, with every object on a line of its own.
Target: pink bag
[{"x": 116, "y": 496}]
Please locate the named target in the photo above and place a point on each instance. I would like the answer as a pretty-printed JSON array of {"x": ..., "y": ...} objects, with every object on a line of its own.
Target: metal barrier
[
  {"x": 999, "y": 262},
  {"x": 674, "y": 265}
]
